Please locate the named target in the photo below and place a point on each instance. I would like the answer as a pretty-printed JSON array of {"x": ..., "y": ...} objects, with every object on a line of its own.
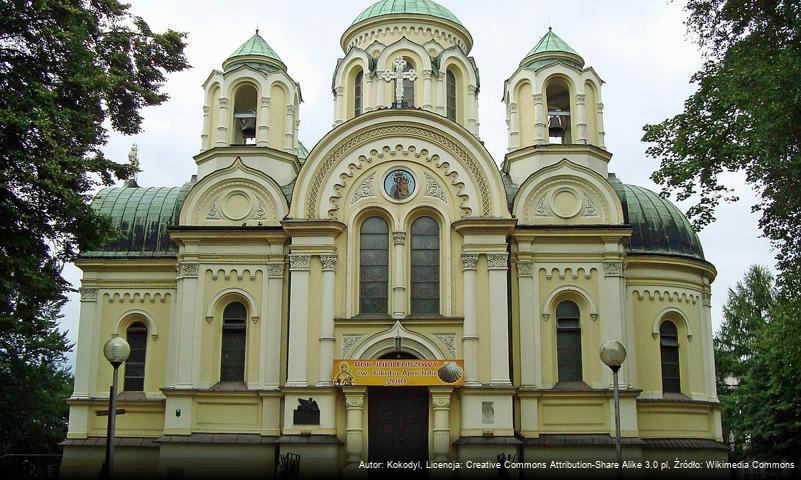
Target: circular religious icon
[{"x": 399, "y": 184}]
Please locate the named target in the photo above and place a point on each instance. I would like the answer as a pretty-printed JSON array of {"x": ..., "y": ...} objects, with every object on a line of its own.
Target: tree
[
  {"x": 66, "y": 67},
  {"x": 744, "y": 117}
]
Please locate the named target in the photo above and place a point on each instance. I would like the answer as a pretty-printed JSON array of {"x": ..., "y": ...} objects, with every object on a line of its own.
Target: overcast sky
[{"x": 638, "y": 47}]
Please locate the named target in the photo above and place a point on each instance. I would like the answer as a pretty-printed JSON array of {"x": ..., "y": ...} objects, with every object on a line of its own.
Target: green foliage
[
  {"x": 744, "y": 117},
  {"x": 66, "y": 67},
  {"x": 757, "y": 356},
  {"x": 34, "y": 386}
]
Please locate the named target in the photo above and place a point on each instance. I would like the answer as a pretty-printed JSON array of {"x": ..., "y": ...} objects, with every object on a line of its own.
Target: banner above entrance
[{"x": 399, "y": 373}]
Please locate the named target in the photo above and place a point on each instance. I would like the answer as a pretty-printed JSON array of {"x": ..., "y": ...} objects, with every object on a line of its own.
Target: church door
[{"x": 398, "y": 423}]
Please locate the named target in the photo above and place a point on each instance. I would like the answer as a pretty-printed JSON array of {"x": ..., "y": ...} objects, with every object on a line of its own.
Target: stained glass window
[
  {"x": 232, "y": 358},
  {"x": 425, "y": 266},
  {"x": 357, "y": 94},
  {"x": 136, "y": 335},
  {"x": 450, "y": 80},
  {"x": 568, "y": 342},
  {"x": 374, "y": 266},
  {"x": 669, "y": 343}
]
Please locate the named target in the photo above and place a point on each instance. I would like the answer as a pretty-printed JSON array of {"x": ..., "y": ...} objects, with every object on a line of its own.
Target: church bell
[
  {"x": 247, "y": 122},
  {"x": 556, "y": 123}
]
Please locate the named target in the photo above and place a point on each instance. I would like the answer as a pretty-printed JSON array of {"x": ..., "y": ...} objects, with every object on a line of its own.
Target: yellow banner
[{"x": 399, "y": 373}]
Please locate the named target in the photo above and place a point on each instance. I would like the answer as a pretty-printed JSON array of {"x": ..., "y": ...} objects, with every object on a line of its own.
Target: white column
[
  {"x": 530, "y": 336},
  {"x": 339, "y": 105},
  {"x": 327, "y": 300},
  {"x": 514, "y": 130},
  {"x": 708, "y": 348},
  {"x": 441, "y": 405},
  {"x": 87, "y": 327},
  {"x": 187, "y": 319},
  {"x": 368, "y": 98},
  {"x": 441, "y": 95},
  {"x": 270, "y": 359},
  {"x": 581, "y": 120},
  {"x": 298, "y": 319},
  {"x": 497, "y": 264},
  {"x": 204, "y": 135},
  {"x": 399, "y": 268},
  {"x": 427, "y": 90},
  {"x": 289, "y": 129},
  {"x": 470, "y": 329},
  {"x": 222, "y": 126},
  {"x": 354, "y": 402},
  {"x": 263, "y": 132},
  {"x": 540, "y": 119},
  {"x": 380, "y": 101},
  {"x": 470, "y": 110},
  {"x": 599, "y": 122},
  {"x": 475, "y": 109}
]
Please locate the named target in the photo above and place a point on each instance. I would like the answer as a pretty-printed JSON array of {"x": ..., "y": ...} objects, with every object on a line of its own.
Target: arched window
[
  {"x": 558, "y": 125},
  {"x": 568, "y": 341},
  {"x": 373, "y": 266},
  {"x": 425, "y": 265},
  {"x": 669, "y": 343},
  {"x": 245, "y": 115},
  {"x": 408, "y": 86},
  {"x": 450, "y": 88},
  {"x": 232, "y": 357},
  {"x": 136, "y": 335},
  {"x": 357, "y": 94}
]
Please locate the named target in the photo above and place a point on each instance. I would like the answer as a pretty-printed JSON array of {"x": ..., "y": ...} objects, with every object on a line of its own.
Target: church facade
[{"x": 397, "y": 236}]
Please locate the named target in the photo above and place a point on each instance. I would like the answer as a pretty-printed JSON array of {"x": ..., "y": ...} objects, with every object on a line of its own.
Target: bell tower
[
  {"x": 252, "y": 102},
  {"x": 553, "y": 107}
]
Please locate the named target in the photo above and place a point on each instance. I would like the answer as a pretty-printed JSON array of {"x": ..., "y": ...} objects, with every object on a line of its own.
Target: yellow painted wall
[
  {"x": 525, "y": 113},
  {"x": 278, "y": 102}
]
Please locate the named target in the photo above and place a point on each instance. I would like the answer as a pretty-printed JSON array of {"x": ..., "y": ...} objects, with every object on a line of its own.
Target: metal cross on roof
[{"x": 399, "y": 75}]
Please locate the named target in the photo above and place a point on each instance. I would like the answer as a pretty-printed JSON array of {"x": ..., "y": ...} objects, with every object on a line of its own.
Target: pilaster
[
  {"x": 399, "y": 285},
  {"x": 299, "y": 265},
  {"x": 327, "y": 340},
  {"x": 470, "y": 336}
]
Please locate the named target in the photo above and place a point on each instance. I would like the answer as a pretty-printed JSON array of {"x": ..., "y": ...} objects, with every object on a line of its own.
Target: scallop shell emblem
[{"x": 450, "y": 372}]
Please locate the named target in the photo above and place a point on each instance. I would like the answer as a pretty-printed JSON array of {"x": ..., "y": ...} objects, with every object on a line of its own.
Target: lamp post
[
  {"x": 613, "y": 353},
  {"x": 116, "y": 351}
]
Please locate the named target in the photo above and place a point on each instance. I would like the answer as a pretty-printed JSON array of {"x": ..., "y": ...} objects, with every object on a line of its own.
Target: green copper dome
[
  {"x": 550, "y": 47},
  {"x": 413, "y": 7},
  {"x": 658, "y": 227},
  {"x": 142, "y": 217},
  {"x": 254, "y": 51}
]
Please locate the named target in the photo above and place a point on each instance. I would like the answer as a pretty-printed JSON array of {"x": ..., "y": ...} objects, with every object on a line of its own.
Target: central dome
[{"x": 406, "y": 7}]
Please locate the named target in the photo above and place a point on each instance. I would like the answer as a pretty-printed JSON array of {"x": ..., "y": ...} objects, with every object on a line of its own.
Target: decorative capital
[
  {"x": 580, "y": 98},
  {"x": 354, "y": 401},
  {"x": 223, "y": 102},
  {"x": 399, "y": 238},
  {"x": 206, "y": 109},
  {"x": 537, "y": 98},
  {"x": 187, "y": 270},
  {"x": 441, "y": 401},
  {"x": 472, "y": 89},
  {"x": 265, "y": 101},
  {"x": 339, "y": 91},
  {"x": 299, "y": 263},
  {"x": 525, "y": 269},
  {"x": 469, "y": 261},
  {"x": 497, "y": 261},
  {"x": 706, "y": 299},
  {"x": 88, "y": 294},
  {"x": 426, "y": 74},
  {"x": 275, "y": 270},
  {"x": 613, "y": 269},
  {"x": 329, "y": 263},
  {"x": 290, "y": 109}
]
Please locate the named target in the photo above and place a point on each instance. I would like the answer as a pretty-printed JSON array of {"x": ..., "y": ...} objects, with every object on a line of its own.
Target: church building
[{"x": 395, "y": 292}]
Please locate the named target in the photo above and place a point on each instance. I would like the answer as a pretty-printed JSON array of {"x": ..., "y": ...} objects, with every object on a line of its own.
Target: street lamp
[
  {"x": 613, "y": 353},
  {"x": 116, "y": 351}
]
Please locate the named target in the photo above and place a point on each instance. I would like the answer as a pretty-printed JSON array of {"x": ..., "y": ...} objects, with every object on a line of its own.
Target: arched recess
[
  {"x": 383, "y": 342},
  {"x": 525, "y": 112},
  {"x": 230, "y": 295},
  {"x": 213, "y": 104},
  {"x": 334, "y": 154},
  {"x": 277, "y": 119},
  {"x": 591, "y": 111},
  {"x": 595, "y": 200},
  {"x": 675, "y": 315},
  {"x": 563, "y": 292},
  {"x": 135, "y": 315},
  {"x": 253, "y": 197},
  {"x": 559, "y": 102},
  {"x": 244, "y": 113}
]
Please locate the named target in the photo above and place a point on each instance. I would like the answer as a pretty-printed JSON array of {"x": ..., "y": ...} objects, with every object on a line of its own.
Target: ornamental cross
[{"x": 399, "y": 75}]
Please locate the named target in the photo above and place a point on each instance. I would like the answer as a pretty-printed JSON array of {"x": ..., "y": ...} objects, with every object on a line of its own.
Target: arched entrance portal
[{"x": 397, "y": 421}]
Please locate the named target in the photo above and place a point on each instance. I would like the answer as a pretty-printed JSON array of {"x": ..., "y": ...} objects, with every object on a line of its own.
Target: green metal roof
[
  {"x": 255, "y": 46},
  {"x": 302, "y": 152},
  {"x": 551, "y": 42},
  {"x": 142, "y": 216},
  {"x": 413, "y": 7},
  {"x": 658, "y": 227}
]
